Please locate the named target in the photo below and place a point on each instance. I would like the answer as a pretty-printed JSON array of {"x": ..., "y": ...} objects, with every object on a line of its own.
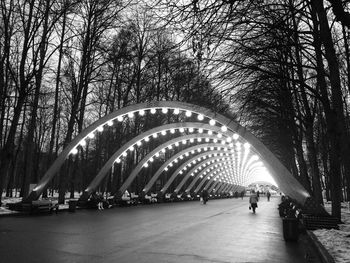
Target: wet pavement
[{"x": 221, "y": 231}]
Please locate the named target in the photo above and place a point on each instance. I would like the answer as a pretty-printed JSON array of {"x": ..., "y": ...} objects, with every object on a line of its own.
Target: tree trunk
[{"x": 334, "y": 117}]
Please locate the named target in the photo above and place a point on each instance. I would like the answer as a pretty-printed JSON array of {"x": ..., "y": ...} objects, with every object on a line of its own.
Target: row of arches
[{"x": 217, "y": 152}]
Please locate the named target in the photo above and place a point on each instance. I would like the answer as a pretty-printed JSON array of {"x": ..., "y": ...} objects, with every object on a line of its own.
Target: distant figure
[
  {"x": 268, "y": 194},
  {"x": 100, "y": 202},
  {"x": 242, "y": 194},
  {"x": 205, "y": 196},
  {"x": 258, "y": 194},
  {"x": 253, "y": 201}
]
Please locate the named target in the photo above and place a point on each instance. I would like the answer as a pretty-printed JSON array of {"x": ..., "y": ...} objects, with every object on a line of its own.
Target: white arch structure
[
  {"x": 198, "y": 167},
  {"x": 285, "y": 180},
  {"x": 198, "y": 159},
  {"x": 144, "y": 137}
]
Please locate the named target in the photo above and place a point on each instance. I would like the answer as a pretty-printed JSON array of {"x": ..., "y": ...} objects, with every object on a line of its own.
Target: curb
[{"x": 322, "y": 251}]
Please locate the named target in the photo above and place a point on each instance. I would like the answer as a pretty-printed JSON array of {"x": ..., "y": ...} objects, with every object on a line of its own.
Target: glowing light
[
  {"x": 235, "y": 136},
  {"x": 200, "y": 117},
  {"x": 124, "y": 154},
  {"x": 188, "y": 114},
  {"x": 142, "y": 112},
  {"x": 255, "y": 158},
  {"x": 200, "y": 130},
  {"x": 246, "y": 145},
  {"x": 91, "y": 135},
  {"x": 176, "y": 143},
  {"x": 131, "y": 148},
  {"x": 170, "y": 147},
  {"x": 153, "y": 110},
  {"x": 207, "y": 139},
  {"x": 155, "y": 135},
  {"x": 163, "y": 150},
  {"x": 190, "y": 129},
  {"x": 117, "y": 160},
  {"x": 176, "y": 111},
  {"x": 165, "y": 110},
  {"x": 224, "y": 128},
  {"x": 219, "y": 135},
  {"x": 145, "y": 165},
  {"x": 146, "y": 139},
  {"x": 215, "y": 140},
  {"x": 191, "y": 140},
  {"x": 199, "y": 139},
  {"x": 130, "y": 114},
  {"x": 172, "y": 131},
  {"x": 166, "y": 169},
  {"x": 74, "y": 151},
  {"x": 228, "y": 139},
  {"x": 110, "y": 123},
  {"x": 139, "y": 143},
  {"x": 120, "y": 118},
  {"x": 100, "y": 128},
  {"x": 151, "y": 159},
  {"x": 181, "y": 129},
  {"x": 210, "y": 132},
  {"x": 163, "y": 132},
  {"x": 157, "y": 154},
  {"x": 212, "y": 122},
  {"x": 184, "y": 142},
  {"x": 82, "y": 143}
]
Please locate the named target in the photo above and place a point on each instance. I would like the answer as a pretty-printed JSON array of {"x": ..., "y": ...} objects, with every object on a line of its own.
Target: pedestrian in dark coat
[{"x": 253, "y": 201}]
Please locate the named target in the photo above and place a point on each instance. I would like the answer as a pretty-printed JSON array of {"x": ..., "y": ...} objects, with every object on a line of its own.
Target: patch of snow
[{"x": 337, "y": 242}]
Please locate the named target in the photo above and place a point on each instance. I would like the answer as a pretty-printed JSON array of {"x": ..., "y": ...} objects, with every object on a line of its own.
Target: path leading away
[{"x": 221, "y": 231}]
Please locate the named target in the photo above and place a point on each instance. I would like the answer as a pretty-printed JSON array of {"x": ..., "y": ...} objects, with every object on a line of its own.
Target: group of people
[{"x": 253, "y": 199}]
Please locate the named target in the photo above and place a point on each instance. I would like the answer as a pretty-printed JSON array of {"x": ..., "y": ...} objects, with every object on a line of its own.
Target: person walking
[
  {"x": 205, "y": 196},
  {"x": 253, "y": 201},
  {"x": 242, "y": 194},
  {"x": 268, "y": 194}
]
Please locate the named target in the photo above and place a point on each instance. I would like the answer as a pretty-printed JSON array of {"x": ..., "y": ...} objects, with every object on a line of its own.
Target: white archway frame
[
  {"x": 198, "y": 163},
  {"x": 285, "y": 180}
]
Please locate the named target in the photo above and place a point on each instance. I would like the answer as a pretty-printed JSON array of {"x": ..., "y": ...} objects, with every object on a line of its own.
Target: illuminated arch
[
  {"x": 192, "y": 171},
  {"x": 176, "y": 173},
  {"x": 287, "y": 183},
  {"x": 142, "y": 137},
  {"x": 169, "y": 162}
]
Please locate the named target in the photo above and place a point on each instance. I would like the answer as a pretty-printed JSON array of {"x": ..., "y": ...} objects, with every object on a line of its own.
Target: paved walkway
[{"x": 221, "y": 231}]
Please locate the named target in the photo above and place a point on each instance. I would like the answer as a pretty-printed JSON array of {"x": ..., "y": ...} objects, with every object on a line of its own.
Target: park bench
[
  {"x": 179, "y": 197},
  {"x": 167, "y": 197},
  {"x": 147, "y": 199},
  {"x": 39, "y": 206}
]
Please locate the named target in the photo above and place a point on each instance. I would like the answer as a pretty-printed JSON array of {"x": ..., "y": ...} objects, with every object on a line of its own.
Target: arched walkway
[{"x": 218, "y": 129}]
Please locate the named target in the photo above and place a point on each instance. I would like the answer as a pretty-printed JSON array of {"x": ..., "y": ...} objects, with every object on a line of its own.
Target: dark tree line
[
  {"x": 65, "y": 64},
  {"x": 286, "y": 63}
]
